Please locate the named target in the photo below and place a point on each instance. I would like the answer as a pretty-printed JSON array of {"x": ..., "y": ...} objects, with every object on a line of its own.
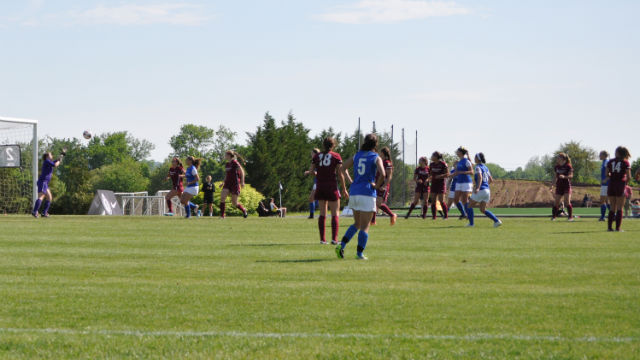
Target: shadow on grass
[
  {"x": 589, "y": 232},
  {"x": 272, "y": 244},
  {"x": 293, "y": 261}
]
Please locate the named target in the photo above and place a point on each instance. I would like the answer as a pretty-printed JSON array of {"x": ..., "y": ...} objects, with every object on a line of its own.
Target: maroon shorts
[
  {"x": 327, "y": 193},
  {"x": 233, "y": 189},
  {"x": 563, "y": 188},
  {"x": 384, "y": 194},
  {"x": 616, "y": 188},
  {"x": 423, "y": 191},
  {"x": 437, "y": 187}
]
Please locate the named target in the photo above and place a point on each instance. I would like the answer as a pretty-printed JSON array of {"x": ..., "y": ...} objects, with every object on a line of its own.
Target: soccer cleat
[
  {"x": 35, "y": 215},
  {"x": 469, "y": 225},
  {"x": 333, "y": 242},
  {"x": 619, "y": 230},
  {"x": 610, "y": 230},
  {"x": 374, "y": 223},
  {"x": 340, "y": 252},
  {"x": 553, "y": 219},
  {"x": 310, "y": 217},
  {"x": 462, "y": 217},
  {"x": 571, "y": 219},
  {"x": 323, "y": 242},
  {"x": 601, "y": 219},
  {"x": 45, "y": 215},
  {"x": 245, "y": 214},
  {"x": 361, "y": 257},
  {"x": 497, "y": 224},
  {"x": 394, "y": 217},
  {"x": 168, "y": 214}
]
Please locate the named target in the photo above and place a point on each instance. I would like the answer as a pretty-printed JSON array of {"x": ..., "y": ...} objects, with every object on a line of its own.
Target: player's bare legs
[
  {"x": 223, "y": 199},
  {"x": 567, "y": 201}
]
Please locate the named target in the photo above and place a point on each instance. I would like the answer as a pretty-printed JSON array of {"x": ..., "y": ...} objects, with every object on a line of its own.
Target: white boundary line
[{"x": 471, "y": 338}]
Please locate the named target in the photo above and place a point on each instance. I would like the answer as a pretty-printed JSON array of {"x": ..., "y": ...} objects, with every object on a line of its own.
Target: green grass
[{"x": 263, "y": 288}]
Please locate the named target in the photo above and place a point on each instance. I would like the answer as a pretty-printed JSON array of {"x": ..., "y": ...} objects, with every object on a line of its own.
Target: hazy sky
[{"x": 510, "y": 78}]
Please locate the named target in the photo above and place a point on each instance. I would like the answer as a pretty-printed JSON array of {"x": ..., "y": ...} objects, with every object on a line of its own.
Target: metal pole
[
  {"x": 416, "y": 148},
  {"x": 34, "y": 166},
  {"x": 358, "y": 134},
  {"x": 391, "y": 148},
  {"x": 404, "y": 174}
]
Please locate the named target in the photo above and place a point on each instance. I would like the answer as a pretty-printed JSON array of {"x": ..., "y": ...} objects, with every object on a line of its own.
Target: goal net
[{"x": 18, "y": 165}]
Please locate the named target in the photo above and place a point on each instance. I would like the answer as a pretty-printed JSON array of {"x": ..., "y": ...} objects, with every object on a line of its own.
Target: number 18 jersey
[{"x": 365, "y": 169}]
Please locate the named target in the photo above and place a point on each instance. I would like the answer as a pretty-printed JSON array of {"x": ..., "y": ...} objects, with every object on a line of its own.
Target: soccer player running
[
  {"x": 208, "y": 189},
  {"x": 48, "y": 165},
  {"x": 233, "y": 183},
  {"x": 439, "y": 171},
  {"x": 383, "y": 194},
  {"x": 362, "y": 193},
  {"x": 452, "y": 192},
  {"x": 421, "y": 192},
  {"x": 313, "y": 203},
  {"x": 563, "y": 175},
  {"x": 192, "y": 188},
  {"x": 618, "y": 174},
  {"x": 604, "y": 185},
  {"x": 326, "y": 165},
  {"x": 481, "y": 193},
  {"x": 176, "y": 173},
  {"x": 464, "y": 181}
]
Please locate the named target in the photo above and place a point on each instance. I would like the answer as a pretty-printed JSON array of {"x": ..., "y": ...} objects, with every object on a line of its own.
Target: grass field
[{"x": 89, "y": 287}]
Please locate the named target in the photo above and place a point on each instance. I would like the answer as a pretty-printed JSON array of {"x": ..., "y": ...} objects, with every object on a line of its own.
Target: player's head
[
  {"x": 462, "y": 152},
  {"x": 423, "y": 161},
  {"x": 370, "y": 143},
  {"x": 193, "y": 161},
  {"x": 604, "y": 155},
  {"x": 622, "y": 153},
  {"x": 436, "y": 156},
  {"x": 328, "y": 143},
  {"x": 480, "y": 158},
  {"x": 233, "y": 155},
  {"x": 386, "y": 153},
  {"x": 209, "y": 178},
  {"x": 47, "y": 156},
  {"x": 315, "y": 152},
  {"x": 176, "y": 162},
  {"x": 563, "y": 158}
]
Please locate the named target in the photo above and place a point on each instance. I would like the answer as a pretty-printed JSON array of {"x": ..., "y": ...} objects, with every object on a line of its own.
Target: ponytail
[
  {"x": 480, "y": 158},
  {"x": 234, "y": 155},
  {"x": 195, "y": 161}
]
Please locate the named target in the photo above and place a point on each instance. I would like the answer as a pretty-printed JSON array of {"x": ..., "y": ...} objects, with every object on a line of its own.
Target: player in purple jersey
[{"x": 48, "y": 165}]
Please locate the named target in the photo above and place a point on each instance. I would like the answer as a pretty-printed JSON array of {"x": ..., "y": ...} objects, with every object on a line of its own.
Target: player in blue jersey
[
  {"x": 464, "y": 180},
  {"x": 481, "y": 193},
  {"x": 191, "y": 186},
  {"x": 48, "y": 165},
  {"x": 452, "y": 193},
  {"x": 604, "y": 185},
  {"x": 362, "y": 193}
]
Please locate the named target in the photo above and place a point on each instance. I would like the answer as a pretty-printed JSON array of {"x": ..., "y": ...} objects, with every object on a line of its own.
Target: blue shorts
[{"x": 43, "y": 186}]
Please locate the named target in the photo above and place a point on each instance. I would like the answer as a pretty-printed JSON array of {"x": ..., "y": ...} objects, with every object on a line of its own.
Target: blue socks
[
  {"x": 187, "y": 209},
  {"x": 36, "y": 206},
  {"x": 461, "y": 208},
  {"x": 491, "y": 216},
  {"x": 348, "y": 235},
  {"x": 603, "y": 211},
  {"x": 470, "y": 214},
  {"x": 363, "y": 237},
  {"x": 47, "y": 204},
  {"x": 192, "y": 205}
]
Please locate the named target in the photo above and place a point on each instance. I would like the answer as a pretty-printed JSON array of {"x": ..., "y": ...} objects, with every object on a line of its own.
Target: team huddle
[{"x": 466, "y": 184}]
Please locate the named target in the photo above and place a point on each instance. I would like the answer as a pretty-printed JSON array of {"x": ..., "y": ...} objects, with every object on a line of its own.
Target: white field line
[{"x": 471, "y": 337}]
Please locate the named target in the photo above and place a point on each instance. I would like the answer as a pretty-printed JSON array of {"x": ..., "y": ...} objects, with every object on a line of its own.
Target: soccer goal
[{"x": 18, "y": 165}]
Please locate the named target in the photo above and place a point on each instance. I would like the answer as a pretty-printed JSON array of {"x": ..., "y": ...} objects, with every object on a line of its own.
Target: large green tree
[
  {"x": 582, "y": 159},
  {"x": 193, "y": 140}
]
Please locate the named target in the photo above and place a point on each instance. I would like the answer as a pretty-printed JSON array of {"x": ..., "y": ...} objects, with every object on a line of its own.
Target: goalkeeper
[{"x": 48, "y": 164}]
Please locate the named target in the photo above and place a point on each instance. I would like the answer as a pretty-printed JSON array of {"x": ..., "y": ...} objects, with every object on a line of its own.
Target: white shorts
[
  {"x": 464, "y": 187},
  {"x": 452, "y": 194},
  {"x": 482, "y": 196},
  {"x": 603, "y": 190},
  {"x": 362, "y": 203},
  {"x": 314, "y": 187},
  {"x": 193, "y": 190}
]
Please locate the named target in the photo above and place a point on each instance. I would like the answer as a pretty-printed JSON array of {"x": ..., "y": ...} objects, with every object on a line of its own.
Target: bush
[{"x": 249, "y": 197}]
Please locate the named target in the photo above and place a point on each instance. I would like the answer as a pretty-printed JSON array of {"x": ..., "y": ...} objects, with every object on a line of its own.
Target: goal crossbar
[{"x": 34, "y": 145}]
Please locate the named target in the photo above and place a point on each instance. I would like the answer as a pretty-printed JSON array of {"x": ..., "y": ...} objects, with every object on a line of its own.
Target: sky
[{"x": 512, "y": 79}]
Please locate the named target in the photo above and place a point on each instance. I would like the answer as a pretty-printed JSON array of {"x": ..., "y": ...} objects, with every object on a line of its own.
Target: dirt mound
[{"x": 522, "y": 193}]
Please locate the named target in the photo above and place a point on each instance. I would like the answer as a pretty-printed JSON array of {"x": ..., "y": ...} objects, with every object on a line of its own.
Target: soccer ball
[{"x": 86, "y": 134}]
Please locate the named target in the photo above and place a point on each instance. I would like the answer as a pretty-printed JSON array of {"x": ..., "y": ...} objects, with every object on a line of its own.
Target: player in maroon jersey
[
  {"x": 233, "y": 182},
  {"x": 562, "y": 183},
  {"x": 325, "y": 166},
  {"x": 176, "y": 172},
  {"x": 421, "y": 192},
  {"x": 383, "y": 194},
  {"x": 438, "y": 174},
  {"x": 618, "y": 174}
]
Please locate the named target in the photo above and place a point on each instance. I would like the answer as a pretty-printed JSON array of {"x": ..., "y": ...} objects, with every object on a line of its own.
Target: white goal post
[{"x": 14, "y": 131}]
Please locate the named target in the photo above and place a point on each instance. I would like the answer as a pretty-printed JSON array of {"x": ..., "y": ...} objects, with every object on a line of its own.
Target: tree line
[{"x": 277, "y": 152}]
